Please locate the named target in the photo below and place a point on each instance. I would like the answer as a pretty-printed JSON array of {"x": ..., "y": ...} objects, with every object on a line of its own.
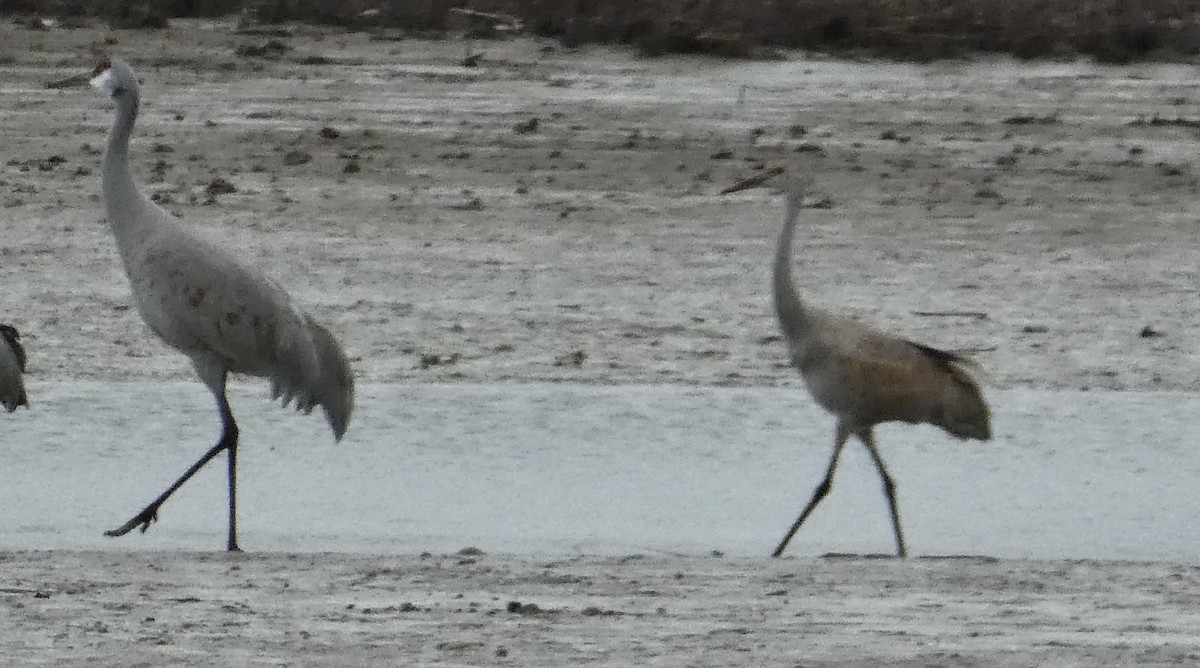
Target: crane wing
[{"x": 868, "y": 377}]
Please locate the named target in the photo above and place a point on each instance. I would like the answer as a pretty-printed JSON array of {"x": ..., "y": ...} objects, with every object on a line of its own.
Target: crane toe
[{"x": 141, "y": 522}]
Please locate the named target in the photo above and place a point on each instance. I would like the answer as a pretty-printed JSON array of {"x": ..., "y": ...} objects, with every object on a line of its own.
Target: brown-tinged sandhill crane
[
  {"x": 12, "y": 365},
  {"x": 225, "y": 315},
  {"x": 865, "y": 377}
]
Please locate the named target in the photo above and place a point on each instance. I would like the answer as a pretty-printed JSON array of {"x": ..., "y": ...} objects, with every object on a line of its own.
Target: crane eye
[{"x": 104, "y": 65}]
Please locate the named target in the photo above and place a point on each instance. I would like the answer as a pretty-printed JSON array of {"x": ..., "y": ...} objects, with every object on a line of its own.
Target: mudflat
[{"x": 554, "y": 215}]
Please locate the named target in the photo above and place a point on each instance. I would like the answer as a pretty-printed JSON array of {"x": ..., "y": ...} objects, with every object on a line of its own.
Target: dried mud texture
[
  {"x": 472, "y": 609},
  {"x": 554, "y": 215}
]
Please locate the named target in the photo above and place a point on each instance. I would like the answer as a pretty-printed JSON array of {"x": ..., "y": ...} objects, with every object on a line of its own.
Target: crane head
[
  {"x": 796, "y": 186},
  {"x": 103, "y": 79},
  {"x": 113, "y": 78}
]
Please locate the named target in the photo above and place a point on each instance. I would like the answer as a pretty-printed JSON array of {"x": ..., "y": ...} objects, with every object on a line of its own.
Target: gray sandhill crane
[
  {"x": 225, "y": 315},
  {"x": 865, "y": 377},
  {"x": 12, "y": 365}
]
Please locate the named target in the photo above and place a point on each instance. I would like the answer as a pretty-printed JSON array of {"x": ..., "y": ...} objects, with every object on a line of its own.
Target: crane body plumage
[
  {"x": 866, "y": 377},
  {"x": 909, "y": 383},
  {"x": 209, "y": 307},
  {"x": 200, "y": 299},
  {"x": 12, "y": 367}
]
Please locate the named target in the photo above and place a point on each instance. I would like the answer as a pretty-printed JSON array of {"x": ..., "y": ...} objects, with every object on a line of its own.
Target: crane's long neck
[
  {"x": 122, "y": 201},
  {"x": 794, "y": 316}
]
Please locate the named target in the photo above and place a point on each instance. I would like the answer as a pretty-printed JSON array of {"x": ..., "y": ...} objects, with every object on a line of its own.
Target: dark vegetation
[{"x": 1107, "y": 30}]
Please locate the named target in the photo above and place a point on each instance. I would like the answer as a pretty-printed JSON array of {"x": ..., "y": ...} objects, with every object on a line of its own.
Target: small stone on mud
[
  {"x": 526, "y": 127},
  {"x": 575, "y": 359},
  {"x": 293, "y": 158},
  {"x": 219, "y": 186},
  {"x": 272, "y": 49},
  {"x": 519, "y": 608}
]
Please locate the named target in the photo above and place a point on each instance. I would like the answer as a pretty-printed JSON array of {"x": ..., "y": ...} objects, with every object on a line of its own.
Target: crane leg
[
  {"x": 889, "y": 488},
  {"x": 228, "y": 442},
  {"x": 822, "y": 489},
  {"x": 231, "y": 544}
]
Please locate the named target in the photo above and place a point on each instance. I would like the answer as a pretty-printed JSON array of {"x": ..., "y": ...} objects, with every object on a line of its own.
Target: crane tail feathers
[
  {"x": 318, "y": 375},
  {"x": 970, "y": 368},
  {"x": 952, "y": 362},
  {"x": 964, "y": 412},
  {"x": 334, "y": 387}
]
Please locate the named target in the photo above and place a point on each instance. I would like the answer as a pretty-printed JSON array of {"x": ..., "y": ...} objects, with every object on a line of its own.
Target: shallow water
[{"x": 546, "y": 468}]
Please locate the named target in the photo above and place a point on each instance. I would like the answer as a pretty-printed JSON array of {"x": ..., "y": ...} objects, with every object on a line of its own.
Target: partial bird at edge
[{"x": 12, "y": 368}]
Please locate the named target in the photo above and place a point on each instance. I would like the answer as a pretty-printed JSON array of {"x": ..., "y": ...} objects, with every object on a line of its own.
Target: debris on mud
[
  {"x": 1031, "y": 120},
  {"x": 526, "y": 127},
  {"x": 1159, "y": 121},
  {"x": 296, "y": 157},
  {"x": 434, "y": 359},
  {"x": 575, "y": 358},
  {"x": 272, "y": 49},
  {"x": 218, "y": 186},
  {"x": 519, "y": 608}
]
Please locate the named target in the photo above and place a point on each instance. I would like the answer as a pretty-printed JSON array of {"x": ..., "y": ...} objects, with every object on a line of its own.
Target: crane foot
[{"x": 141, "y": 521}]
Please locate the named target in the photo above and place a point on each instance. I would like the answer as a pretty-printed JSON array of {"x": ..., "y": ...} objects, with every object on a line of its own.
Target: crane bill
[{"x": 756, "y": 180}]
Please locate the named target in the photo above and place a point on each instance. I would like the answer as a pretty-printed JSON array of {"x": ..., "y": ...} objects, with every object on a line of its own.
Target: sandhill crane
[
  {"x": 225, "y": 315},
  {"x": 865, "y": 377},
  {"x": 12, "y": 365}
]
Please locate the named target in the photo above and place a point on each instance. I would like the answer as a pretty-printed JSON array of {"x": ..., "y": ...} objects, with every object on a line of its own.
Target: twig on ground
[
  {"x": 978, "y": 315},
  {"x": 502, "y": 22}
]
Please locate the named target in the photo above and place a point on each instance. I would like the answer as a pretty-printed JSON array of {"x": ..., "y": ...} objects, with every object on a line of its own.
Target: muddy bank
[{"x": 553, "y": 215}]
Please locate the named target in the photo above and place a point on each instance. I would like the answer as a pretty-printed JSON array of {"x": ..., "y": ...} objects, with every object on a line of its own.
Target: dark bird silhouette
[{"x": 12, "y": 366}]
